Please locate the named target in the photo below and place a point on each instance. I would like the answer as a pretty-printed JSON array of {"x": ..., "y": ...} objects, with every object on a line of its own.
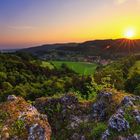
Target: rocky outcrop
[
  {"x": 100, "y": 107},
  {"x": 11, "y": 98},
  {"x": 135, "y": 137},
  {"x": 112, "y": 114},
  {"x": 76, "y": 136},
  {"x": 19, "y": 121},
  {"x": 120, "y": 123},
  {"x": 66, "y": 115},
  {"x": 136, "y": 114}
]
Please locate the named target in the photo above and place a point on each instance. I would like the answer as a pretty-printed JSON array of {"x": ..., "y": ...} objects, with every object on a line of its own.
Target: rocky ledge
[
  {"x": 113, "y": 116},
  {"x": 125, "y": 122},
  {"x": 21, "y": 121}
]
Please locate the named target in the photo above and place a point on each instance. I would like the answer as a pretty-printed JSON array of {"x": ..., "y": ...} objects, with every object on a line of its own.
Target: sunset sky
[{"x": 25, "y": 23}]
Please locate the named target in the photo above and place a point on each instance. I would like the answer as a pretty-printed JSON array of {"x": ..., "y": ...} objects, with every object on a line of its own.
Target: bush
[
  {"x": 98, "y": 130},
  {"x": 6, "y": 86},
  {"x": 137, "y": 90},
  {"x": 18, "y": 128}
]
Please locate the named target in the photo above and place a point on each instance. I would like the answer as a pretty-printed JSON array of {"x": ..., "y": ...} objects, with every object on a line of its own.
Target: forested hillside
[{"x": 104, "y": 48}]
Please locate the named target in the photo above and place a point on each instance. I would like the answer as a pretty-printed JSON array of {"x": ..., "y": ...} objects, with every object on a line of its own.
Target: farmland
[{"x": 83, "y": 68}]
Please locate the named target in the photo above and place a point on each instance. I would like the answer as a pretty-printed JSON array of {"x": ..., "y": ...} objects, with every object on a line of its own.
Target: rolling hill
[{"x": 103, "y": 48}]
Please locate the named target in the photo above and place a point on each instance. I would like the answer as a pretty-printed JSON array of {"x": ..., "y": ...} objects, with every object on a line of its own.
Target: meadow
[{"x": 83, "y": 68}]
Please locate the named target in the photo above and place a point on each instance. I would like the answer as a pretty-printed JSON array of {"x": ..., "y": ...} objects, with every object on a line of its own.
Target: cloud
[
  {"x": 124, "y": 1},
  {"x": 121, "y": 1}
]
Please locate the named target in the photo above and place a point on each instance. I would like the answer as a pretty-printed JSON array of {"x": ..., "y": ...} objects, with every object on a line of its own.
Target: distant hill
[
  {"x": 48, "y": 47},
  {"x": 104, "y": 48}
]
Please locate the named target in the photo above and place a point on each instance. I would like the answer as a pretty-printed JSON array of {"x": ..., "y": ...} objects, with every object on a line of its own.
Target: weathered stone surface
[
  {"x": 23, "y": 121},
  {"x": 77, "y": 136},
  {"x": 118, "y": 123},
  {"x": 68, "y": 114},
  {"x": 11, "y": 98},
  {"x": 99, "y": 108},
  {"x": 79, "y": 120},
  {"x": 128, "y": 101},
  {"x": 105, "y": 135},
  {"x": 136, "y": 114},
  {"x": 69, "y": 100},
  {"x": 75, "y": 121},
  {"x": 37, "y": 132},
  {"x": 135, "y": 137}
]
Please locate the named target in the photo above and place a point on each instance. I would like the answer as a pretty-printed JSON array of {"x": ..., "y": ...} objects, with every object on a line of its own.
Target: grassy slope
[{"x": 79, "y": 67}]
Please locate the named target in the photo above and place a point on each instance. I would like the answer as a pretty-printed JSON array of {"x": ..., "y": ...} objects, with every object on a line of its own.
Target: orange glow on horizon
[{"x": 108, "y": 30}]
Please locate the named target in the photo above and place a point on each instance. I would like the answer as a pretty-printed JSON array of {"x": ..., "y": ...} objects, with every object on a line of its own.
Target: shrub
[
  {"x": 18, "y": 127},
  {"x": 98, "y": 130}
]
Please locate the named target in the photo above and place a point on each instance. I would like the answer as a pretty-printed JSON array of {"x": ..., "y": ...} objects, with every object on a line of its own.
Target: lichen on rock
[{"x": 20, "y": 120}]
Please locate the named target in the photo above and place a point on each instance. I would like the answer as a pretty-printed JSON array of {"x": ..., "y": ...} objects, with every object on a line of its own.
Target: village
[{"x": 71, "y": 56}]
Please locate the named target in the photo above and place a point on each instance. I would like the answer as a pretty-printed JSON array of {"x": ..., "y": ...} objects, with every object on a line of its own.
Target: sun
[{"x": 129, "y": 33}]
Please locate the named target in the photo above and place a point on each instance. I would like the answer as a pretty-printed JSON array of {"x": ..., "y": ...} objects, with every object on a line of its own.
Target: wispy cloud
[
  {"x": 121, "y": 1},
  {"x": 124, "y": 1},
  {"x": 21, "y": 27}
]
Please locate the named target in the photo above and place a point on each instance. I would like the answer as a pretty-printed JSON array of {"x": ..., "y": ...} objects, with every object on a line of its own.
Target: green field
[{"x": 83, "y": 68}]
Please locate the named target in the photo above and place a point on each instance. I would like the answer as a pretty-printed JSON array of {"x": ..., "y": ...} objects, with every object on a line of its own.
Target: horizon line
[{"x": 57, "y": 43}]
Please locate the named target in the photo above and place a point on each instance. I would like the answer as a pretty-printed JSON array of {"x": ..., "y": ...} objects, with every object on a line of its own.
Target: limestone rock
[
  {"x": 21, "y": 121},
  {"x": 118, "y": 123},
  {"x": 99, "y": 108},
  {"x": 11, "y": 98}
]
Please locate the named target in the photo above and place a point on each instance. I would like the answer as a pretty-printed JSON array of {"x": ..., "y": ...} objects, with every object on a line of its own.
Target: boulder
[
  {"x": 66, "y": 115},
  {"x": 118, "y": 123},
  {"x": 134, "y": 137},
  {"x": 77, "y": 136},
  {"x": 69, "y": 100},
  {"x": 20, "y": 120},
  {"x": 11, "y": 98},
  {"x": 136, "y": 114},
  {"x": 99, "y": 108},
  {"x": 37, "y": 132},
  {"x": 128, "y": 101},
  {"x": 105, "y": 135}
]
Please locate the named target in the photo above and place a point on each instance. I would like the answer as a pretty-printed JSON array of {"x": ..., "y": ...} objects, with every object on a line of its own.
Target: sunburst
[{"x": 129, "y": 33}]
